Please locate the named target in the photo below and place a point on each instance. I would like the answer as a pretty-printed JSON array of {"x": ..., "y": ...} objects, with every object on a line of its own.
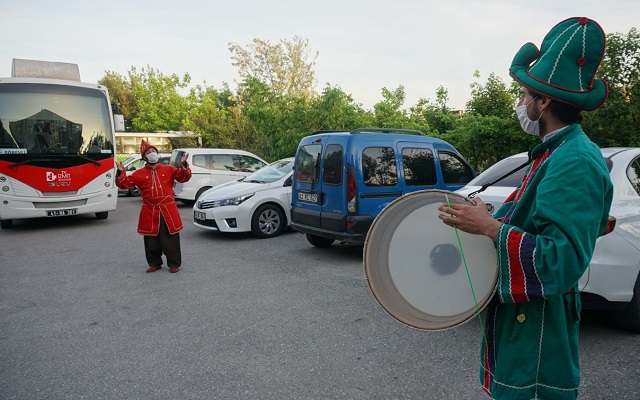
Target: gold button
[{"x": 521, "y": 318}]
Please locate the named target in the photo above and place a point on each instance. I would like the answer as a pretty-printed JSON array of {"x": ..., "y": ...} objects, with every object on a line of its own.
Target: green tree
[
  {"x": 484, "y": 140},
  {"x": 336, "y": 110},
  {"x": 160, "y": 104},
  {"x": 208, "y": 117},
  {"x": 617, "y": 123},
  {"x": 286, "y": 67},
  {"x": 121, "y": 96},
  {"x": 438, "y": 117},
  {"x": 493, "y": 98},
  {"x": 389, "y": 113},
  {"x": 489, "y": 131}
]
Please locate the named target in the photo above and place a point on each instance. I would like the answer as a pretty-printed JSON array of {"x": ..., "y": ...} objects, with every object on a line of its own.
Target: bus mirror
[{"x": 118, "y": 122}]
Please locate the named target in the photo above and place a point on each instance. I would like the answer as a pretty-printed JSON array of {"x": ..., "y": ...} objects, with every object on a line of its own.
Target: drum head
[{"x": 415, "y": 268}]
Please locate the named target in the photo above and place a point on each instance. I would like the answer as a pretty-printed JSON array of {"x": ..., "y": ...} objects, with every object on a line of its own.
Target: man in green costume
[{"x": 546, "y": 231}]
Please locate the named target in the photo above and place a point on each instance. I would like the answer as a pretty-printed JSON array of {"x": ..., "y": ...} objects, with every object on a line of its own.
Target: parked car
[
  {"x": 612, "y": 280},
  {"x": 495, "y": 194},
  {"x": 259, "y": 203},
  {"x": 134, "y": 163},
  {"x": 212, "y": 167},
  {"x": 342, "y": 180}
]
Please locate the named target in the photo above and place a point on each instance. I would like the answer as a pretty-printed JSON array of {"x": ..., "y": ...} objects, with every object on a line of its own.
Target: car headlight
[{"x": 231, "y": 201}]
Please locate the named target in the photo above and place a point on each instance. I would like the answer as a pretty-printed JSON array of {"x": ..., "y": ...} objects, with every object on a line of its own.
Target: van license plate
[
  {"x": 308, "y": 197},
  {"x": 60, "y": 213},
  {"x": 199, "y": 215}
]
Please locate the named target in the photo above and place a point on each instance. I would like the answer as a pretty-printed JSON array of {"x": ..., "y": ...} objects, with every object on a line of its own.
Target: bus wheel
[
  {"x": 6, "y": 223},
  {"x": 102, "y": 215}
]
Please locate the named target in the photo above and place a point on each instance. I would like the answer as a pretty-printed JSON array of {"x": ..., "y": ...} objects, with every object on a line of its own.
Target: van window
[
  {"x": 200, "y": 160},
  {"x": 419, "y": 167},
  {"x": 454, "y": 171},
  {"x": 224, "y": 162},
  {"x": 250, "y": 164},
  {"x": 379, "y": 166},
  {"x": 308, "y": 163},
  {"x": 332, "y": 170}
]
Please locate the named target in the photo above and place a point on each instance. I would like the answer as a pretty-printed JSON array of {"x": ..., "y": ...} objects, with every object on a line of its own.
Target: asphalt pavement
[{"x": 245, "y": 318}]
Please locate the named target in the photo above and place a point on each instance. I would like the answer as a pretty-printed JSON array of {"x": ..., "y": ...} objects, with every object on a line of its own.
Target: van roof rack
[
  {"x": 326, "y": 131},
  {"x": 387, "y": 130}
]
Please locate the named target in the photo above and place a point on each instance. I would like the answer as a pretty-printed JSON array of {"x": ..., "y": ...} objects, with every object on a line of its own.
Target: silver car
[{"x": 612, "y": 280}]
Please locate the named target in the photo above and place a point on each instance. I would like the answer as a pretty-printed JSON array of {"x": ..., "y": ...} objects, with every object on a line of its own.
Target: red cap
[{"x": 144, "y": 146}]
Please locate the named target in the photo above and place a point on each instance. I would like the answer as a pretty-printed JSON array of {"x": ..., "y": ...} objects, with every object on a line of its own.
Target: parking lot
[{"x": 244, "y": 319}]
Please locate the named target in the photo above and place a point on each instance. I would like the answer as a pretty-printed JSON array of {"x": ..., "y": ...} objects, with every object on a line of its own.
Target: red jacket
[{"x": 156, "y": 186}]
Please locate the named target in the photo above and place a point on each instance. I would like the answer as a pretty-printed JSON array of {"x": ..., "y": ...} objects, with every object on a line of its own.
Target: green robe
[{"x": 549, "y": 231}]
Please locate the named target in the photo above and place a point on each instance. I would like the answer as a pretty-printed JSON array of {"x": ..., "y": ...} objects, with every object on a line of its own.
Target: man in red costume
[{"x": 159, "y": 220}]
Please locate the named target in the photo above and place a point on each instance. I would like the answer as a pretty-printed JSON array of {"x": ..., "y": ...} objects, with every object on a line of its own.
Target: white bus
[{"x": 57, "y": 152}]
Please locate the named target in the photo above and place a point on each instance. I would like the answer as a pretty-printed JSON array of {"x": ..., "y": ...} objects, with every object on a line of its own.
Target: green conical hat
[{"x": 564, "y": 68}]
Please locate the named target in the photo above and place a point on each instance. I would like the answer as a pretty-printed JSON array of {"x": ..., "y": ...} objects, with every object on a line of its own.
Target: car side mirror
[{"x": 288, "y": 181}]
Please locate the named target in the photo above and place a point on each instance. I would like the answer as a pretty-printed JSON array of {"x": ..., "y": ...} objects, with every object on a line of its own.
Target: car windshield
[
  {"x": 271, "y": 172},
  {"x": 499, "y": 169}
]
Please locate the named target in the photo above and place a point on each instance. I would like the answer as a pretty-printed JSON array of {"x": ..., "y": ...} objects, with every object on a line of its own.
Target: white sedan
[
  {"x": 612, "y": 280},
  {"x": 259, "y": 203}
]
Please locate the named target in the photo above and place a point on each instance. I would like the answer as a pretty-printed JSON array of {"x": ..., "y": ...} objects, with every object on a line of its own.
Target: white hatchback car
[
  {"x": 259, "y": 203},
  {"x": 612, "y": 280}
]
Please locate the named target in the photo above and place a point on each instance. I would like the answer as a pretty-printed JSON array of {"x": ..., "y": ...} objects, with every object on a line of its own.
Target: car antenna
[{"x": 485, "y": 186}]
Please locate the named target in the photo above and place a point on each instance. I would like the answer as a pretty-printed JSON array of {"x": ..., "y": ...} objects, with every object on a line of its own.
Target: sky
[{"x": 363, "y": 45}]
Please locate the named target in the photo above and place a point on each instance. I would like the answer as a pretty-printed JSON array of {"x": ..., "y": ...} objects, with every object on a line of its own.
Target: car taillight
[
  {"x": 351, "y": 187},
  {"x": 351, "y": 193},
  {"x": 611, "y": 225}
]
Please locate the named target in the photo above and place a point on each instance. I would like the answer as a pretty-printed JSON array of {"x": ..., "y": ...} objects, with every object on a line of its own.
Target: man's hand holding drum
[{"x": 471, "y": 219}]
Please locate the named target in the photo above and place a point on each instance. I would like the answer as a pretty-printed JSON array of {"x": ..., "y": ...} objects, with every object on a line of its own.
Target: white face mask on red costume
[{"x": 152, "y": 158}]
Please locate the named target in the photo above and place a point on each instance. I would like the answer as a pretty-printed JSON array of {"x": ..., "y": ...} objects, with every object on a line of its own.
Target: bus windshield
[{"x": 42, "y": 120}]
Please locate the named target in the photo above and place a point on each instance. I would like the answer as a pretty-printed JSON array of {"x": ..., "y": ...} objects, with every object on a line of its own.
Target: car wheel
[
  {"x": 6, "y": 223},
  {"x": 629, "y": 318},
  {"x": 319, "y": 241},
  {"x": 135, "y": 191},
  {"x": 102, "y": 215},
  {"x": 267, "y": 222}
]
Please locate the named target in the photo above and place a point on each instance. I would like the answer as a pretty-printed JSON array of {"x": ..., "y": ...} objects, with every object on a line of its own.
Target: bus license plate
[
  {"x": 61, "y": 213},
  {"x": 199, "y": 215},
  {"x": 308, "y": 197}
]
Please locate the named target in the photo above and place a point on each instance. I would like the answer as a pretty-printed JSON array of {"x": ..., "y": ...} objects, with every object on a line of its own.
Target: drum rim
[{"x": 385, "y": 292}]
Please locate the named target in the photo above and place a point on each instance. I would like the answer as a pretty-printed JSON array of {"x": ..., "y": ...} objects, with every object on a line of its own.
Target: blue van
[{"x": 342, "y": 180}]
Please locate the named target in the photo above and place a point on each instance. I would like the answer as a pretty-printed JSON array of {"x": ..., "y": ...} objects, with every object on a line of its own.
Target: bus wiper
[
  {"x": 98, "y": 163},
  {"x": 30, "y": 161}
]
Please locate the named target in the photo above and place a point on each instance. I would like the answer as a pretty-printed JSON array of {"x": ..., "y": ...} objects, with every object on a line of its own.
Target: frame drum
[{"x": 415, "y": 267}]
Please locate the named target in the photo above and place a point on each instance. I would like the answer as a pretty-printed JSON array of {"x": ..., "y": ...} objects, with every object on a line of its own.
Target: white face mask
[
  {"x": 152, "y": 158},
  {"x": 527, "y": 124}
]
